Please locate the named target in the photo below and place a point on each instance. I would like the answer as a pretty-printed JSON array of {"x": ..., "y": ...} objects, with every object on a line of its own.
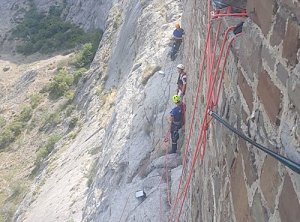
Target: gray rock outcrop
[
  {"x": 89, "y": 14},
  {"x": 124, "y": 102}
]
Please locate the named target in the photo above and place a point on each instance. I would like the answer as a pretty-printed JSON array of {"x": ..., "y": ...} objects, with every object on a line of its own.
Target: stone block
[
  {"x": 249, "y": 160},
  {"x": 269, "y": 95},
  {"x": 289, "y": 207},
  {"x": 210, "y": 204},
  {"x": 291, "y": 42},
  {"x": 230, "y": 150},
  {"x": 258, "y": 211},
  {"x": 226, "y": 213},
  {"x": 239, "y": 192},
  {"x": 279, "y": 27},
  {"x": 294, "y": 91},
  {"x": 270, "y": 181},
  {"x": 249, "y": 52},
  {"x": 246, "y": 90},
  {"x": 244, "y": 116},
  {"x": 282, "y": 73},
  {"x": 267, "y": 56},
  {"x": 261, "y": 12},
  {"x": 292, "y": 6}
]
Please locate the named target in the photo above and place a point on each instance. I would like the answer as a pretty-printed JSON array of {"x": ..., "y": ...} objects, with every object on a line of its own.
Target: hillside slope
[{"x": 124, "y": 102}]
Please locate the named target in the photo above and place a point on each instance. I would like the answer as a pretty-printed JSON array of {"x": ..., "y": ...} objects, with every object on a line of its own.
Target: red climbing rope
[
  {"x": 216, "y": 99},
  {"x": 166, "y": 143},
  {"x": 201, "y": 142},
  {"x": 167, "y": 176},
  {"x": 214, "y": 83},
  {"x": 190, "y": 127}
]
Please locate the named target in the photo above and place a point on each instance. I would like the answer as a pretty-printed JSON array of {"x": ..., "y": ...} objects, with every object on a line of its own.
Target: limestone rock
[{"x": 6, "y": 68}]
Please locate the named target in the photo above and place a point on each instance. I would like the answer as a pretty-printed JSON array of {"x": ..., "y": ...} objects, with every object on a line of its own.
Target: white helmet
[{"x": 180, "y": 66}]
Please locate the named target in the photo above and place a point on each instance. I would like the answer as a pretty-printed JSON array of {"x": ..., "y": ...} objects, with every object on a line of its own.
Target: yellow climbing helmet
[{"x": 176, "y": 99}]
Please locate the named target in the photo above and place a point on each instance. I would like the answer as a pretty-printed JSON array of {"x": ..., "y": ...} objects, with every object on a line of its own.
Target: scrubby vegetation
[
  {"x": 64, "y": 83},
  {"x": 48, "y": 32},
  {"x": 46, "y": 149},
  {"x": 35, "y": 100},
  {"x": 25, "y": 114},
  {"x": 17, "y": 192},
  {"x": 12, "y": 130},
  {"x": 78, "y": 74},
  {"x": 85, "y": 56},
  {"x": 51, "y": 111},
  {"x": 51, "y": 120},
  {"x": 2, "y": 121},
  {"x": 73, "y": 122},
  {"x": 61, "y": 84}
]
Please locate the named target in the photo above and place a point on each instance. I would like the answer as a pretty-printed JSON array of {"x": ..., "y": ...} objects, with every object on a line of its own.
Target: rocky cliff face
[
  {"x": 124, "y": 102},
  {"x": 91, "y": 14},
  {"x": 237, "y": 182}
]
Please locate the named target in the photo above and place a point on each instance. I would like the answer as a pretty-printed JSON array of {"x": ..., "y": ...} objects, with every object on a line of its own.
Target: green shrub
[
  {"x": 11, "y": 131},
  {"x": 61, "y": 84},
  {"x": 73, "y": 122},
  {"x": 16, "y": 127},
  {"x": 70, "y": 108},
  {"x": 53, "y": 119},
  {"x": 78, "y": 74},
  {"x": 117, "y": 20},
  {"x": 85, "y": 56},
  {"x": 45, "y": 89},
  {"x": 69, "y": 95},
  {"x": 45, "y": 150},
  {"x": 47, "y": 33},
  {"x": 17, "y": 192},
  {"x": 2, "y": 122},
  {"x": 25, "y": 114},
  {"x": 35, "y": 100},
  {"x": 6, "y": 137},
  {"x": 54, "y": 138},
  {"x": 55, "y": 10}
]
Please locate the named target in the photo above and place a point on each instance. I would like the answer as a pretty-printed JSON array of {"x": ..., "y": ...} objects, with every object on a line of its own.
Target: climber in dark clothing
[
  {"x": 178, "y": 35},
  {"x": 178, "y": 32},
  {"x": 175, "y": 120}
]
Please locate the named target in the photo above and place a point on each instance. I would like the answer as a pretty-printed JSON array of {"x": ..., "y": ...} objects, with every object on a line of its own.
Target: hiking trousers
[{"x": 174, "y": 137}]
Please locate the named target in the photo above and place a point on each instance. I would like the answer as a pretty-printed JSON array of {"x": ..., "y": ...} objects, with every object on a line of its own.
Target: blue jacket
[
  {"x": 178, "y": 33},
  {"x": 176, "y": 113}
]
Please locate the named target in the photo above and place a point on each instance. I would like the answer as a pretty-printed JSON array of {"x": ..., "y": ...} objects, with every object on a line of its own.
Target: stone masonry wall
[{"x": 261, "y": 97}]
